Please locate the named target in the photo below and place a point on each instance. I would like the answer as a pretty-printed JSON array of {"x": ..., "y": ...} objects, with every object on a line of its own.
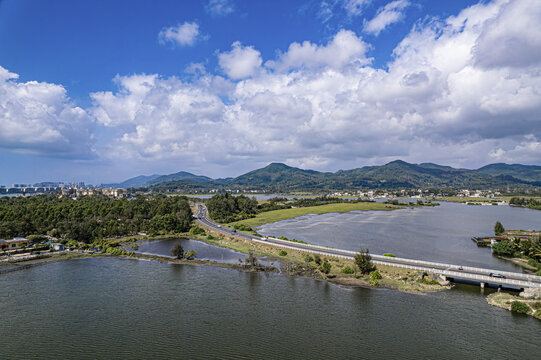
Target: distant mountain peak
[{"x": 277, "y": 165}]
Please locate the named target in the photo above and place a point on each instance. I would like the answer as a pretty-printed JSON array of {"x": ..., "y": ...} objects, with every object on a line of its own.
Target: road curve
[{"x": 511, "y": 279}]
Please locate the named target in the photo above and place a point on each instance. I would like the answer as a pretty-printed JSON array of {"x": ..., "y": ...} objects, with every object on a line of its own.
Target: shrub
[
  {"x": 317, "y": 259},
  {"x": 190, "y": 254},
  {"x": 389, "y": 255},
  {"x": 117, "y": 251},
  {"x": 210, "y": 237},
  {"x": 534, "y": 263},
  {"x": 325, "y": 267},
  {"x": 375, "y": 275},
  {"x": 538, "y": 273},
  {"x": 282, "y": 253},
  {"x": 429, "y": 282},
  {"x": 242, "y": 227},
  {"x": 347, "y": 270},
  {"x": 308, "y": 258},
  {"x": 196, "y": 230},
  {"x": 520, "y": 307},
  {"x": 373, "y": 282}
]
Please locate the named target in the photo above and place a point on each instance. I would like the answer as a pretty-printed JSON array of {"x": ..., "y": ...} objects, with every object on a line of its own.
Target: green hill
[
  {"x": 180, "y": 176},
  {"x": 279, "y": 175},
  {"x": 393, "y": 175},
  {"x": 524, "y": 172}
]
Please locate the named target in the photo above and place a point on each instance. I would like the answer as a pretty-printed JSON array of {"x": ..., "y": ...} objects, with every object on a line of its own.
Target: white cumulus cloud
[
  {"x": 38, "y": 118},
  {"x": 185, "y": 34},
  {"x": 241, "y": 62},
  {"x": 345, "y": 48}
]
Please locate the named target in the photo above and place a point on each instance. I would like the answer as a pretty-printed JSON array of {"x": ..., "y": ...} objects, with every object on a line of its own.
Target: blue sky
[{"x": 100, "y": 91}]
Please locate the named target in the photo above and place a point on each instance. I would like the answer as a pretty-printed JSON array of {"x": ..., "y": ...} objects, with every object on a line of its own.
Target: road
[{"x": 480, "y": 275}]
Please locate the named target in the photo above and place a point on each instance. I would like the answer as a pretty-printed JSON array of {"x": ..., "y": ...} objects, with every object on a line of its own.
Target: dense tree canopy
[
  {"x": 228, "y": 208},
  {"x": 90, "y": 218}
]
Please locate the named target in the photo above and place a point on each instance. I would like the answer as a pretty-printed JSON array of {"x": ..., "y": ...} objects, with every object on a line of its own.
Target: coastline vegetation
[
  {"x": 516, "y": 304},
  {"x": 530, "y": 203}
]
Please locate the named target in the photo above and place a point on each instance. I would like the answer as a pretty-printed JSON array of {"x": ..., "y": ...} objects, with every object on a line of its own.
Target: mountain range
[{"x": 396, "y": 174}]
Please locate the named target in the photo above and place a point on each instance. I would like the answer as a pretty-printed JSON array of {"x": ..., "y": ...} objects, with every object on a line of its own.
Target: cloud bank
[
  {"x": 463, "y": 91},
  {"x": 38, "y": 118}
]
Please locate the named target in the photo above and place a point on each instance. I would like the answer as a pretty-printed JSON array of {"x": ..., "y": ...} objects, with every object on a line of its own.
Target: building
[
  {"x": 57, "y": 246},
  {"x": 14, "y": 244}
]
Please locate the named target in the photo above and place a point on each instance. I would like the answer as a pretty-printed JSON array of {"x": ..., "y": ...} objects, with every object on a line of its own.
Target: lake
[
  {"x": 442, "y": 233},
  {"x": 123, "y": 308}
]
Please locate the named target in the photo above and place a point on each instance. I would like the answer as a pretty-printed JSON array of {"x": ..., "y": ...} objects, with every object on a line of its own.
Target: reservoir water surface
[
  {"x": 441, "y": 233},
  {"x": 121, "y": 308}
]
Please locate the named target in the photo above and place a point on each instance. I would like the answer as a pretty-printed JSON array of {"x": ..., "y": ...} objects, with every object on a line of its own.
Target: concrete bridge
[{"x": 451, "y": 272}]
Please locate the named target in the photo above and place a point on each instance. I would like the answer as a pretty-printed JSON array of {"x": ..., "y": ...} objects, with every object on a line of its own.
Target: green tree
[
  {"x": 498, "y": 228},
  {"x": 363, "y": 261},
  {"x": 504, "y": 247},
  {"x": 177, "y": 251}
]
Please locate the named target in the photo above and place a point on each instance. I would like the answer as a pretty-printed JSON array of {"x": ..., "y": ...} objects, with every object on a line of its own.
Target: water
[
  {"x": 122, "y": 308},
  {"x": 204, "y": 251},
  {"x": 442, "y": 233}
]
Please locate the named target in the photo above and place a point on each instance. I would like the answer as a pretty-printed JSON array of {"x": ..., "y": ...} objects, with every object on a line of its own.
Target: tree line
[
  {"x": 226, "y": 208},
  {"x": 92, "y": 217},
  {"x": 526, "y": 202}
]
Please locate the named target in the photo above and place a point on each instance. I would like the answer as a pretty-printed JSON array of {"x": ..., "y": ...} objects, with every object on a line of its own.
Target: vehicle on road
[
  {"x": 234, "y": 230},
  {"x": 219, "y": 226},
  {"x": 496, "y": 275}
]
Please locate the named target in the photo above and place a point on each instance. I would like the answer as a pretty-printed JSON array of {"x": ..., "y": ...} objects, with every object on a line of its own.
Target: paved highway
[{"x": 480, "y": 275}]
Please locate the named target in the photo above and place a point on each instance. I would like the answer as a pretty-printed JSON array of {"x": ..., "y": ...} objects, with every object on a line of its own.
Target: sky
[{"x": 101, "y": 91}]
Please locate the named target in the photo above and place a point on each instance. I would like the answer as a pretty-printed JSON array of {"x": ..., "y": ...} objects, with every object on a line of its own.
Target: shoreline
[
  {"x": 505, "y": 301},
  {"x": 290, "y": 266}
]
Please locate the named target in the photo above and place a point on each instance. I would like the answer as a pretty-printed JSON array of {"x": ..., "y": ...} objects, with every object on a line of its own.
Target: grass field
[{"x": 278, "y": 215}]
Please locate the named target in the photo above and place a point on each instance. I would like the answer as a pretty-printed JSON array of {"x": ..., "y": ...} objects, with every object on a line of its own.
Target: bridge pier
[{"x": 482, "y": 285}]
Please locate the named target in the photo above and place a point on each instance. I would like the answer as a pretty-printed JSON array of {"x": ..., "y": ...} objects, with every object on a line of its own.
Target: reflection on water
[
  {"x": 120, "y": 308},
  {"x": 441, "y": 233}
]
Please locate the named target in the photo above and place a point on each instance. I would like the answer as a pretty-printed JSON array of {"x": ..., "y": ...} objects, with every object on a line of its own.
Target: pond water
[
  {"x": 204, "y": 251},
  {"x": 102, "y": 308},
  {"x": 442, "y": 233}
]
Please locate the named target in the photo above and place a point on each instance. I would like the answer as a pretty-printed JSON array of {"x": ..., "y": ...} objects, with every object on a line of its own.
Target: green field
[{"x": 278, "y": 215}]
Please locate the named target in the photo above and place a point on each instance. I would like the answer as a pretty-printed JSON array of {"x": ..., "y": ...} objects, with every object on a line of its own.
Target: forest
[{"x": 89, "y": 218}]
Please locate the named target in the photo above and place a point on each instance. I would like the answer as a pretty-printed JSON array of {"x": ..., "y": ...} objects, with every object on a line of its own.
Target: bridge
[{"x": 451, "y": 272}]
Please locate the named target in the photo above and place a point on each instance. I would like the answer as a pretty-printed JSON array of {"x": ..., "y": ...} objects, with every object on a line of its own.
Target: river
[
  {"x": 122, "y": 308},
  {"x": 441, "y": 233}
]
